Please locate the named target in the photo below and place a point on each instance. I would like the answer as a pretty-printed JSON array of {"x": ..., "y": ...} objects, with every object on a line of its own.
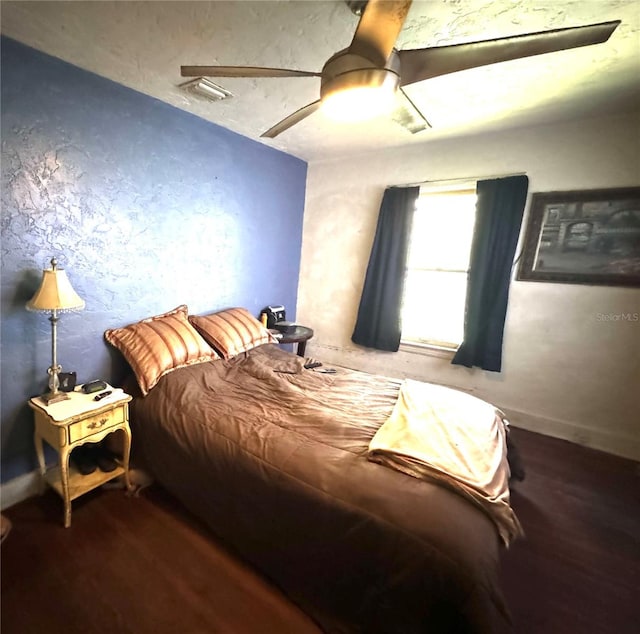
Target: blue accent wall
[{"x": 145, "y": 206}]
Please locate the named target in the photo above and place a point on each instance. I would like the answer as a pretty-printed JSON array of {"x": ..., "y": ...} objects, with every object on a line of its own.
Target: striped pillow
[
  {"x": 157, "y": 345},
  {"x": 232, "y": 331}
]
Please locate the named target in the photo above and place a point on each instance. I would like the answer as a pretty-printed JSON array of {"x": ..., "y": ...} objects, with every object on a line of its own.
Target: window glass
[{"x": 437, "y": 266}]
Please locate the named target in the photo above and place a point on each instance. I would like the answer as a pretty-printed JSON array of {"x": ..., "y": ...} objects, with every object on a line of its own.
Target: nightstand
[
  {"x": 70, "y": 423},
  {"x": 300, "y": 335}
]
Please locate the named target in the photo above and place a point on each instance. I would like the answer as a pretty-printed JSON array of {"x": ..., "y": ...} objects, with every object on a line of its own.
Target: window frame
[{"x": 432, "y": 346}]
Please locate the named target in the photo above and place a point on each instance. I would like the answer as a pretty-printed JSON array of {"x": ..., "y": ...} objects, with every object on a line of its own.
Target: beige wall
[{"x": 566, "y": 371}]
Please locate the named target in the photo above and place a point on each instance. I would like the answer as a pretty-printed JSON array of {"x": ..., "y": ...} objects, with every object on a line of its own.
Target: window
[{"x": 437, "y": 266}]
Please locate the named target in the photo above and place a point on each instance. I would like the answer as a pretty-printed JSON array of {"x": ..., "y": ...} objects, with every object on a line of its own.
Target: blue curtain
[
  {"x": 499, "y": 211},
  {"x": 378, "y": 322}
]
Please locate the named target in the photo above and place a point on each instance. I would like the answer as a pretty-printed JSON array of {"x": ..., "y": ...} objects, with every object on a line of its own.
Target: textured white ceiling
[{"x": 143, "y": 44}]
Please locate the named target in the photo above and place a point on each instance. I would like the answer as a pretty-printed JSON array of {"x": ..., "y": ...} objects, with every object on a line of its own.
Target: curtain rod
[{"x": 453, "y": 181}]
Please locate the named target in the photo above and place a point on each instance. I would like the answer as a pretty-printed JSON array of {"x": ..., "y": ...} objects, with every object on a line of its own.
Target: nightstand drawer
[{"x": 94, "y": 424}]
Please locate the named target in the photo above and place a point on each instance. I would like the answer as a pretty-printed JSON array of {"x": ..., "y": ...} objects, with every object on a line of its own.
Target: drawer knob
[{"x": 97, "y": 424}]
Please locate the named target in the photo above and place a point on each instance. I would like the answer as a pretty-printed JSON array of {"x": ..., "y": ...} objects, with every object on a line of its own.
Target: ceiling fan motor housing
[{"x": 346, "y": 70}]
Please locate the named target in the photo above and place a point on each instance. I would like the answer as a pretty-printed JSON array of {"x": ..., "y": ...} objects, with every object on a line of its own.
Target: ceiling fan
[{"x": 373, "y": 68}]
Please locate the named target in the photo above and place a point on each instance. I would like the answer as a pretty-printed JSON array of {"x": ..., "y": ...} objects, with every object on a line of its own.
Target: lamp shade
[{"x": 55, "y": 292}]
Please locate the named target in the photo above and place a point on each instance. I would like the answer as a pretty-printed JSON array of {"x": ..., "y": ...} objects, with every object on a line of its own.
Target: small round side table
[{"x": 300, "y": 336}]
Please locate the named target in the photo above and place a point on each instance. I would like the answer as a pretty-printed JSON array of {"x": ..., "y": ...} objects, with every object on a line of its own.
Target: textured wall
[
  {"x": 567, "y": 371},
  {"x": 145, "y": 206}
]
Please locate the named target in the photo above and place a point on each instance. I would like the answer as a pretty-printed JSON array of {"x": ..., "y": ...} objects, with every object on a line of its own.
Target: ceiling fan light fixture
[
  {"x": 358, "y": 104},
  {"x": 360, "y": 94},
  {"x": 204, "y": 87}
]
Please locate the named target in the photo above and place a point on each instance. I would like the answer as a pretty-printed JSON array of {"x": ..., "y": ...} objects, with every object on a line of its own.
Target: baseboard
[
  {"x": 19, "y": 489},
  {"x": 624, "y": 446}
]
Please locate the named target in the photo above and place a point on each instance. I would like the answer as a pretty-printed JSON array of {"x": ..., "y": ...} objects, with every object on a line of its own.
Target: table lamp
[{"x": 54, "y": 295}]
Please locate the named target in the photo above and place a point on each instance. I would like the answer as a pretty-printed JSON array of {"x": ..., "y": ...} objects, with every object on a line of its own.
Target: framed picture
[{"x": 583, "y": 237}]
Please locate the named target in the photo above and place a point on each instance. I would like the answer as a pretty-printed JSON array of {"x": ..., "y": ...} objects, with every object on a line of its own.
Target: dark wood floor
[
  {"x": 578, "y": 570},
  {"x": 138, "y": 565}
]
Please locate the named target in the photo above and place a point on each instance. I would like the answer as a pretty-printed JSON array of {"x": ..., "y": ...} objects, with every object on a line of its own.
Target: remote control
[{"x": 99, "y": 397}]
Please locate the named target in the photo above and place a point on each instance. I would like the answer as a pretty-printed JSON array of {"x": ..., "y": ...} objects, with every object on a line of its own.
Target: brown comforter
[{"x": 274, "y": 458}]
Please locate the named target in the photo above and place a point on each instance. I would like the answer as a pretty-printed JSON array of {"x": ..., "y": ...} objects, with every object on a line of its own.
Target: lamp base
[{"x": 53, "y": 397}]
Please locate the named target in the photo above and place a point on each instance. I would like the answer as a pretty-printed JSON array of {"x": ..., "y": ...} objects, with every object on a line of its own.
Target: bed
[{"x": 275, "y": 459}]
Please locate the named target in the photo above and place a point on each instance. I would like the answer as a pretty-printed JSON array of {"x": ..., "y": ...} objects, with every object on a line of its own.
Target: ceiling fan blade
[
  {"x": 425, "y": 63},
  {"x": 378, "y": 29},
  {"x": 407, "y": 114},
  {"x": 242, "y": 71},
  {"x": 291, "y": 120}
]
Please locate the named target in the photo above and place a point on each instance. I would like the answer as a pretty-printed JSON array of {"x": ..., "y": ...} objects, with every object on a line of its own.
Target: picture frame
[{"x": 583, "y": 237}]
